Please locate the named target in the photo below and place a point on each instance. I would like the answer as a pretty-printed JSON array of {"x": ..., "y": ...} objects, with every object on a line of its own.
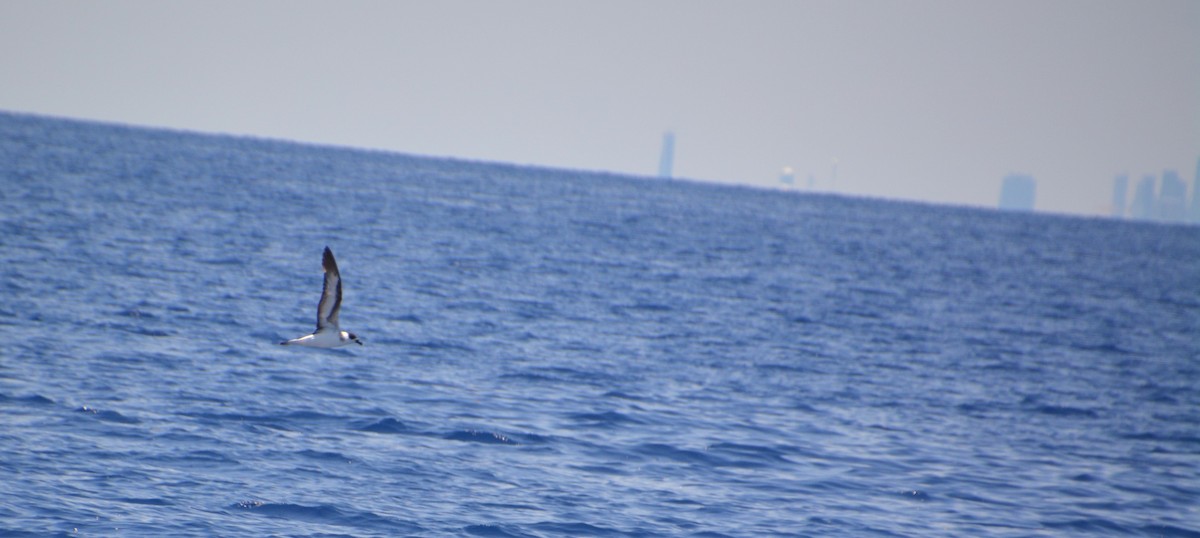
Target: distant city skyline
[
  {"x": 1163, "y": 198},
  {"x": 930, "y": 100}
]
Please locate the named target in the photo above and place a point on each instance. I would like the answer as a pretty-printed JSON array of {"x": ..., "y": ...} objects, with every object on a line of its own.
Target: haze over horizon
[{"x": 930, "y": 100}]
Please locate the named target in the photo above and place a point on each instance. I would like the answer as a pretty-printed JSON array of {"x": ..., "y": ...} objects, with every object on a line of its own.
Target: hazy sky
[{"x": 916, "y": 99}]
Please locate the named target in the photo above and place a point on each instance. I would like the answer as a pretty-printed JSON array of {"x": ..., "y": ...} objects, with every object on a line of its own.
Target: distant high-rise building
[
  {"x": 1120, "y": 190},
  {"x": 1172, "y": 198},
  {"x": 1143, "y": 199},
  {"x": 666, "y": 161},
  {"x": 1195, "y": 210},
  {"x": 1018, "y": 192}
]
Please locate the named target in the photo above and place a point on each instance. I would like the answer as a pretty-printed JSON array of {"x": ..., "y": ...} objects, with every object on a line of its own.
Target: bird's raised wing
[{"x": 331, "y": 294}]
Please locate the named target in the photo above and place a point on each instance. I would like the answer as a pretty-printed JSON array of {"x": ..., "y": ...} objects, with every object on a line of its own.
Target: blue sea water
[{"x": 558, "y": 353}]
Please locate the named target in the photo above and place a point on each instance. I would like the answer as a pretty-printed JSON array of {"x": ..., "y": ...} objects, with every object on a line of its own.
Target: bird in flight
[{"x": 328, "y": 334}]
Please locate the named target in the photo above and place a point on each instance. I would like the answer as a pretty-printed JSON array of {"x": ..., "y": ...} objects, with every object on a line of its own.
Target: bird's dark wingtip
[{"x": 327, "y": 261}]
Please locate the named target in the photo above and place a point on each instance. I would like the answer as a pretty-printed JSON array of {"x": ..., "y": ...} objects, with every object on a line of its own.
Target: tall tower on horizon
[
  {"x": 666, "y": 161},
  {"x": 1195, "y": 209},
  {"x": 1172, "y": 198},
  {"x": 1120, "y": 193},
  {"x": 1144, "y": 198}
]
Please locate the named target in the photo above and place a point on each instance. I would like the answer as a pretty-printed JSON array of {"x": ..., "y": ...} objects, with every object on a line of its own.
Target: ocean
[{"x": 563, "y": 353}]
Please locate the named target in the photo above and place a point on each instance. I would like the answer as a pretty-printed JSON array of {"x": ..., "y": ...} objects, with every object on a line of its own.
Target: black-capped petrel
[{"x": 328, "y": 334}]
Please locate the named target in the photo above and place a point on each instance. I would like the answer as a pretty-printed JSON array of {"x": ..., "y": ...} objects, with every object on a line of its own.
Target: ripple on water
[
  {"x": 326, "y": 514},
  {"x": 387, "y": 425},
  {"x": 476, "y": 436}
]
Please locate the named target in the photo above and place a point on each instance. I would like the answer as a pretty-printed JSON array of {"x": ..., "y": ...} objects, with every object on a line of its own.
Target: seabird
[{"x": 328, "y": 334}]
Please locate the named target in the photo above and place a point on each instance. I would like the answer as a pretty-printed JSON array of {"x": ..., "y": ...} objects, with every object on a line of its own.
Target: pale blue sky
[{"x": 926, "y": 100}]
